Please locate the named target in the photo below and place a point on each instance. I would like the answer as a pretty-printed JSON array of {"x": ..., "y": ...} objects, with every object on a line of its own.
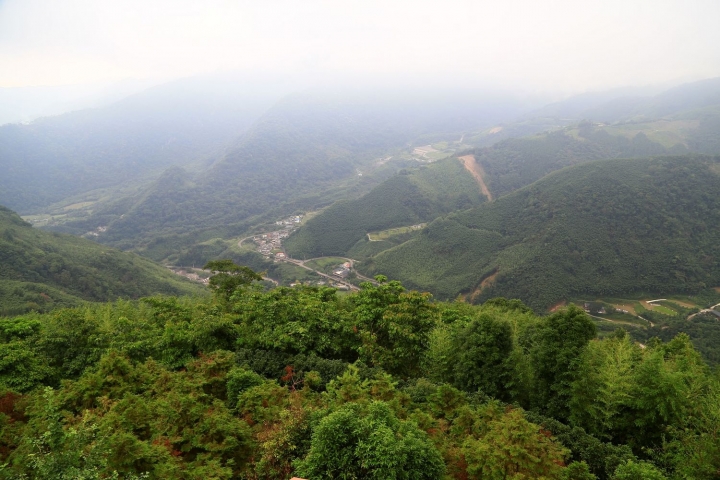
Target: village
[{"x": 270, "y": 245}]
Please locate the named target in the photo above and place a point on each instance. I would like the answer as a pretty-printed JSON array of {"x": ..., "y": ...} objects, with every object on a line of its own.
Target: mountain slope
[
  {"x": 302, "y": 153},
  {"x": 180, "y": 123},
  {"x": 41, "y": 270},
  {"x": 412, "y": 197},
  {"x": 600, "y": 228}
]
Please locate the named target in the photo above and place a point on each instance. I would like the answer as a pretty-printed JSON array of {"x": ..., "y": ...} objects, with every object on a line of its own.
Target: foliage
[
  {"x": 354, "y": 443},
  {"x": 393, "y": 326},
  {"x": 228, "y": 277},
  {"x": 42, "y": 271},
  {"x": 579, "y": 232},
  {"x": 554, "y": 348},
  {"x": 638, "y": 471},
  {"x": 513, "y": 448},
  {"x": 382, "y": 383}
]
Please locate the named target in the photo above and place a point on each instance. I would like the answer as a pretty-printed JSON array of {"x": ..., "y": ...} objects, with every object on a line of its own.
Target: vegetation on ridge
[
  {"x": 42, "y": 270},
  {"x": 602, "y": 228}
]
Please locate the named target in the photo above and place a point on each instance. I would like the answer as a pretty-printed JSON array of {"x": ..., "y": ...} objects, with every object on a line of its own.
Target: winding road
[{"x": 301, "y": 263}]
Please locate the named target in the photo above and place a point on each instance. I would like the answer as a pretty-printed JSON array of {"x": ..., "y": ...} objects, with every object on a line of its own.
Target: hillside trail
[{"x": 476, "y": 170}]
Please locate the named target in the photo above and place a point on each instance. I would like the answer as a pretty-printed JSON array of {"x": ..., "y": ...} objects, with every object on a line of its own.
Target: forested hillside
[
  {"x": 668, "y": 123},
  {"x": 411, "y": 197},
  {"x": 612, "y": 226},
  {"x": 383, "y": 383},
  {"x": 514, "y": 163},
  {"x": 42, "y": 270}
]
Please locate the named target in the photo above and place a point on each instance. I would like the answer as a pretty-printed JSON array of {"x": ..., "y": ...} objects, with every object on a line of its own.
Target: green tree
[
  {"x": 393, "y": 325},
  {"x": 482, "y": 357},
  {"x": 513, "y": 448},
  {"x": 228, "y": 277},
  {"x": 555, "y": 349},
  {"x": 369, "y": 443},
  {"x": 668, "y": 386},
  {"x": 602, "y": 388},
  {"x": 638, "y": 471}
]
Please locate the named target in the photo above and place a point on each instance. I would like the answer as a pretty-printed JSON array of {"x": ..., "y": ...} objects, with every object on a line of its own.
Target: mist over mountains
[{"x": 359, "y": 240}]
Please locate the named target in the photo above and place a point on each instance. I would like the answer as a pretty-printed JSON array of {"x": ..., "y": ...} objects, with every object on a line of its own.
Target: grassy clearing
[
  {"x": 292, "y": 273},
  {"x": 674, "y": 305},
  {"x": 78, "y": 206},
  {"x": 325, "y": 263},
  {"x": 437, "y": 155},
  {"x": 391, "y": 232}
]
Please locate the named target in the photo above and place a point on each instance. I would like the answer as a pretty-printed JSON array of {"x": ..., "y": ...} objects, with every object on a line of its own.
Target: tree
[
  {"x": 228, "y": 277},
  {"x": 370, "y": 443},
  {"x": 638, "y": 471},
  {"x": 393, "y": 325},
  {"x": 601, "y": 391},
  {"x": 483, "y": 349},
  {"x": 555, "y": 350},
  {"x": 513, "y": 448}
]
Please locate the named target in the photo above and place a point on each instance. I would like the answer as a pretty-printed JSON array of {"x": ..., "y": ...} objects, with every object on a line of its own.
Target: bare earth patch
[
  {"x": 558, "y": 306},
  {"x": 476, "y": 170},
  {"x": 483, "y": 285}
]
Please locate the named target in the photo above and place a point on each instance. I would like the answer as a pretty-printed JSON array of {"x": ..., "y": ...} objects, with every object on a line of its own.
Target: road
[
  {"x": 705, "y": 310},
  {"x": 301, "y": 263}
]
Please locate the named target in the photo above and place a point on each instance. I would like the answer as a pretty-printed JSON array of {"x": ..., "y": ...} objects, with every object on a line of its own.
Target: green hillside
[
  {"x": 514, "y": 163},
  {"x": 411, "y": 197},
  {"x": 613, "y": 226},
  {"x": 680, "y": 120},
  {"x": 42, "y": 270}
]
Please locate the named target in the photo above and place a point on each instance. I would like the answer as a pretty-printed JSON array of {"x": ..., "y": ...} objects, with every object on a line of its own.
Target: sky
[{"x": 536, "y": 45}]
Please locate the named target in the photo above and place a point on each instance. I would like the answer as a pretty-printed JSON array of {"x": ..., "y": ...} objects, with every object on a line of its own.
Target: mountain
[
  {"x": 41, "y": 270},
  {"x": 303, "y": 153},
  {"x": 413, "y": 196},
  {"x": 186, "y": 122},
  {"x": 503, "y": 167},
  {"x": 600, "y": 228}
]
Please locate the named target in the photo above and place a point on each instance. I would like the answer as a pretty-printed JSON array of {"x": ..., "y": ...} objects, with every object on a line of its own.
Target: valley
[{"x": 359, "y": 240}]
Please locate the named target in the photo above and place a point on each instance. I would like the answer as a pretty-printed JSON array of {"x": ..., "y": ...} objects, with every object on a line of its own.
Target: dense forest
[
  {"x": 382, "y": 383},
  {"x": 605, "y": 227},
  {"x": 411, "y": 197},
  {"x": 42, "y": 270}
]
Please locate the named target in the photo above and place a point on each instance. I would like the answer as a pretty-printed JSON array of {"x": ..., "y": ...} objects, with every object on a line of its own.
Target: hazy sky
[{"x": 565, "y": 46}]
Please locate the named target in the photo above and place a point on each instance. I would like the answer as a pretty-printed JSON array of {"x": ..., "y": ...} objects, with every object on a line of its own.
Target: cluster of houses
[
  {"x": 292, "y": 221},
  {"x": 343, "y": 270},
  {"x": 594, "y": 308},
  {"x": 269, "y": 242}
]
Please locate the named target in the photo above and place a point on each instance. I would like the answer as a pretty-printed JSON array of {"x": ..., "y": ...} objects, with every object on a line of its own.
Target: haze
[{"x": 549, "y": 47}]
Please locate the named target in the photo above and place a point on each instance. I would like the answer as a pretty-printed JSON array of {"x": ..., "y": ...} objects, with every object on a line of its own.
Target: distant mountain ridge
[{"x": 131, "y": 140}]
